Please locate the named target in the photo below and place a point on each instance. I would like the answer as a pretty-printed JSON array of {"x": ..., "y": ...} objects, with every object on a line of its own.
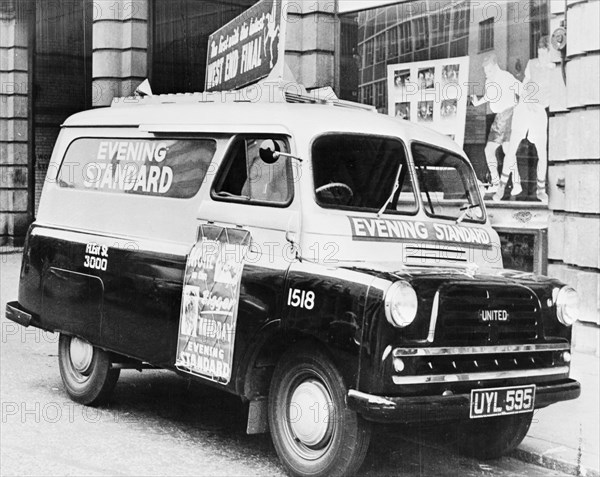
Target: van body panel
[{"x": 131, "y": 308}]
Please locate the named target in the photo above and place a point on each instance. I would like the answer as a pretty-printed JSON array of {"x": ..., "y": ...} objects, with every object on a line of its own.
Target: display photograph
[
  {"x": 425, "y": 111},
  {"x": 450, "y": 73},
  {"x": 426, "y": 78},
  {"x": 306, "y": 239},
  {"x": 449, "y": 109},
  {"x": 403, "y": 110},
  {"x": 401, "y": 78}
]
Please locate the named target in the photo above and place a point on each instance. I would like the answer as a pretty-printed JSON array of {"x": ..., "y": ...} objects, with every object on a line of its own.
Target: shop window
[
  {"x": 440, "y": 27},
  {"x": 362, "y": 18},
  {"x": 370, "y": 24},
  {"x": 421, "y": 35},
  {"x": 539, "y": 25},
  {"x": 367, "y": 75},
  {"x": 392, "y": 16},
  {"x": 421, "y": 29},
  {"x": 380, "y": 20},
  {"x": 367, "y": 94},
  {"x": 368, "y": 56},
  {"x": 486, "y": 34},
  {"x": 461, "y": 22},
  {"x": 459, "y": 46},
  {"x": 440, "y": 34},
  {"x": 405, "y": 38},
  {"x": 380, "y": 48},
  {"x": 392, "y": 41},
  {"x": 430, "y": 32},
  {"x": 380, "y": 95}
]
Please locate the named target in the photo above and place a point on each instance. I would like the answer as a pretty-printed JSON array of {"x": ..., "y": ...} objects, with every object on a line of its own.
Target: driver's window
[
  {"x": 247, "y": 177},
  {"x": 362, "y": 172}
]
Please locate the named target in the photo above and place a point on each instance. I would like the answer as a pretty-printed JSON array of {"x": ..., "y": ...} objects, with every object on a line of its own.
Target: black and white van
[{"x": 333, "y": 267}]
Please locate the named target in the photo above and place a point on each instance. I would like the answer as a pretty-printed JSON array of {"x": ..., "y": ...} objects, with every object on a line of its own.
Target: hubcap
[
  {"x": 310, "y": 413},
  {"x": 81, "y": 355}
]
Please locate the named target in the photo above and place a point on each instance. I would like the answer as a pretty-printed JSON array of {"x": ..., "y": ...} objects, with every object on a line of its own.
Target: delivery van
[{"x": 333, "y": 267}]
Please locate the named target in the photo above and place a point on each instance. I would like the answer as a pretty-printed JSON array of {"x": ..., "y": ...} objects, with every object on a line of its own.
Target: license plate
[{"x": 502, "y": 401}]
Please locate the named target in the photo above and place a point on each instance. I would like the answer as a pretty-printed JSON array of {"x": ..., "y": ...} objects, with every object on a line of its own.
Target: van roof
[{"x": 311, "y": 119}]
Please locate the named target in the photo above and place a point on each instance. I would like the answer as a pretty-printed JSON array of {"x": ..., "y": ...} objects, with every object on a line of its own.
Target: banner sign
[
  {"x": 247, "y": 49},
  {"x": 432, "y": 93},
  {"x": 366, "y": 228},
  {"x": 209, "y": 306}
]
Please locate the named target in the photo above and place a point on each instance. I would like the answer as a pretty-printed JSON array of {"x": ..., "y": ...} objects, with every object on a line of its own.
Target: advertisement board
[
  {"x": 431, "y": 93},
  {"x": 209, "y": 305},
  {"x": 247, "y": 49}
]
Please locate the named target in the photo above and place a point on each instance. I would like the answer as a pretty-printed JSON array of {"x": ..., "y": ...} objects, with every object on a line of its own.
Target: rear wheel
[
  {"x": 85, "y": 371},
  {"x": 492, "y": 437},
  {"x": 313, "y": 431}
]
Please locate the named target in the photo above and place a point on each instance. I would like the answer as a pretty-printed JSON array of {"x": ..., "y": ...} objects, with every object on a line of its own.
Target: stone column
[
  {"x": 120, "y": 48},
  {"x": 310, "y": 42},
  {"x": 574, "y": 170},
  {"x": 14, "y": 126}
]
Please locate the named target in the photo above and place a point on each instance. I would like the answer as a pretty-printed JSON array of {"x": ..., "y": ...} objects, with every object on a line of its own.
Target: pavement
[{"x": 564, "y": 437}]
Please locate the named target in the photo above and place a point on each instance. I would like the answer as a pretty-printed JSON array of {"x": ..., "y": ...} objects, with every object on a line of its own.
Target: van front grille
[{"x": 487, "y": 314}]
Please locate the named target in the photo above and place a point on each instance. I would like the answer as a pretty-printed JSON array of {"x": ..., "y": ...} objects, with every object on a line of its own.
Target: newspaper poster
[
  {"x": 209, "y": 305},
  {"x": 247, "y": 49},
  {"x": 431, "y": 93}
]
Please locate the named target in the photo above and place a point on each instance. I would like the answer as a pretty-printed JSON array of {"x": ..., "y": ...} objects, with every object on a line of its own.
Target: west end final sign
[{"x": 247, "y": 49}]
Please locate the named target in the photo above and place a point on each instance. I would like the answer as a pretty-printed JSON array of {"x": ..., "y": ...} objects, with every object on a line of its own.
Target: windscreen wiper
[
  {"x": 424, "y": 186},
  {"x": 389, "y": 199},
  {"x": 465, "y": 212}
]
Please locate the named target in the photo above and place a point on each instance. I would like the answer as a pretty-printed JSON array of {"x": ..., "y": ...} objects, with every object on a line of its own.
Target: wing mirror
[{"x": 269, "y": 151}]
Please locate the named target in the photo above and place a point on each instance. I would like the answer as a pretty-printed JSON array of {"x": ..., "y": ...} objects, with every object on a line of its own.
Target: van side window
[
  {"x": 158, "y": 167},
  {"x": 246, "y": 177},
  {"x": 362, "y": 172}
]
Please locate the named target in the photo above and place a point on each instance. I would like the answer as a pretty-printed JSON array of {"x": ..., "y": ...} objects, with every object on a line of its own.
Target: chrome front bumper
[{"x": 387, "y": 409}]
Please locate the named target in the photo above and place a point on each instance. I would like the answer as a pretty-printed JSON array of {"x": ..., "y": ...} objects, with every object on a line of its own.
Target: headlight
[
  {"x": 401, "y": 304},
  {"x": 567, "y": 304}
]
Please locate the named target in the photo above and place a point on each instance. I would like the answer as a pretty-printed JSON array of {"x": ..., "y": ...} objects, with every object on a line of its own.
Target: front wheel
[
  {"x": 492, "y": 437},
  {"x": 85, "y": 371},
  {"x": 313, "y": 431}
]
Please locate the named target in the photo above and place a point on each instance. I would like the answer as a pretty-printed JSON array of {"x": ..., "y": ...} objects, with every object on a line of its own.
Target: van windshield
[
  {"x": 448, "y": 186},
  {"x": 363, "y": 173}
]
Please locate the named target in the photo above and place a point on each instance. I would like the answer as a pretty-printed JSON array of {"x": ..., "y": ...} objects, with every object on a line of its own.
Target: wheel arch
[{"x": 273, "y": 344}]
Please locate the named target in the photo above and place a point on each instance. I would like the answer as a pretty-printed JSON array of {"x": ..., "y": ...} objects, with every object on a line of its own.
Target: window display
[{"x": 418, "y": 44}]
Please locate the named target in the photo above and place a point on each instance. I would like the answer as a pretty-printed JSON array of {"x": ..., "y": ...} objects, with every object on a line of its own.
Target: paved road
[{"x": 160, "y": 424}]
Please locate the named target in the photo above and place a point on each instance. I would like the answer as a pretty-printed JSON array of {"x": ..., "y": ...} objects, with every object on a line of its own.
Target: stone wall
[
  {"x": 14, "y": 129},
  {"x": 120, "y": 48},
  {"x": 574, "y": 172},
  {"x": 310, "y": 43}
]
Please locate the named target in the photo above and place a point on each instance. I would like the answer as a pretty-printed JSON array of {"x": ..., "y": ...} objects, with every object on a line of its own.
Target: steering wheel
[{"x": 335, "y": 193}]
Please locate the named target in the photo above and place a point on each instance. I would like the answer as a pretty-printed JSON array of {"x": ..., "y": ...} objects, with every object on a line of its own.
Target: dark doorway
[
  {"x": 180, "y": 31},
  {"x": 62, "y": 74}
]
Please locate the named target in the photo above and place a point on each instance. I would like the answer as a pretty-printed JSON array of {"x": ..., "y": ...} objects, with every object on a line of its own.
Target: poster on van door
[
  {"x": 209, "y": 305},
  {"x": 247, "y": 49}
]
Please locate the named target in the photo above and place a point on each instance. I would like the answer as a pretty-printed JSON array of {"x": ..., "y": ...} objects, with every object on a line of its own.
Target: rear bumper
[
  {"x": 15, "y": 313},
  {"x": 443, "y": 408}
]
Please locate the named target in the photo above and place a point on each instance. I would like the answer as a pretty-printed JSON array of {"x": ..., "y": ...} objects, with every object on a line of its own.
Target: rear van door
[{"x": 119, "y": 212}]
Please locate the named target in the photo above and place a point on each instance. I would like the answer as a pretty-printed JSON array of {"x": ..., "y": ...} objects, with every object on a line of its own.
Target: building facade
[{"x": 57, "y": 58}]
